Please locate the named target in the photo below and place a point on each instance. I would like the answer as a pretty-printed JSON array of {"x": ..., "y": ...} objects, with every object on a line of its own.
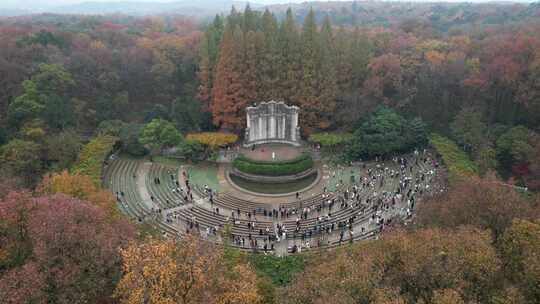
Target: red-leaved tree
[{"x": 58, "y": 249}]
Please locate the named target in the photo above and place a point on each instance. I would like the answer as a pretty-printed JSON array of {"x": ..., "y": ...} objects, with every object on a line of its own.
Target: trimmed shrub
[
  {"x": 330, "y": 139},
  {"x": 270, "y": 168}
]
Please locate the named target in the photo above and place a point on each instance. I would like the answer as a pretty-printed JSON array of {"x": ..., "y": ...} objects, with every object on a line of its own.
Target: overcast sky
[{"x": 29, "y": 4}]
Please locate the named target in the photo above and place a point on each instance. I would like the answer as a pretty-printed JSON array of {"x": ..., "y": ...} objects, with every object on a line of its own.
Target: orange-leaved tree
[
  {"x": 185, "y": 271},
  {"x": 424, "y": 266},
  {"x": 229, "y": 96}
]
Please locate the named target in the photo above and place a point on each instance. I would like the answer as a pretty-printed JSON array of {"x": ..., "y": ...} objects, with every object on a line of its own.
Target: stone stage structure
[{"x": 272, "y": 122}]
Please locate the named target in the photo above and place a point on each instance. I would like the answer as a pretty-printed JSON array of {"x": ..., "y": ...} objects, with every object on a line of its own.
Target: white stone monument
[{"x": 272, "y": 122}]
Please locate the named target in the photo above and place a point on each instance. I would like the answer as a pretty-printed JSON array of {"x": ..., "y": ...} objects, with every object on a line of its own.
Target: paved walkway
[
  {"x": 142, "y": 172},
  {"x": 276, "y": 201},
  {"x": 279, "y": 151}
]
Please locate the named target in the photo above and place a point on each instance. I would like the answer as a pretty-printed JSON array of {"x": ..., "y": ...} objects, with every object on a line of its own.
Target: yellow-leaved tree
[
  {"x": 78, "y": 186},
  {"x": 183, "y": 271},
  {"x": 213, "y": 140}
]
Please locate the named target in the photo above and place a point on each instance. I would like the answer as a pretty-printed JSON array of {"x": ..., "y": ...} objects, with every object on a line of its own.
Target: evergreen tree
[
  {"x": 250, "y": 20},
  {"x": 235, "y": 19},
  {"x": 205, "y": 76},
  {"x": 354, "y": 51},
  {"x": 312, "y": 69},
  {"x": 310, "y": 59},
  {"x": 318, "y": 84},
  {"x": 361, "y": 52},
  {"x": 208, "y": 53},
  {"x": 250, "y": 74},
  {"x": 269, "y": 60},
  {"x": 327, "y": 80},
  {"x": 343, "y": 63},
  {"x": 289, "y": 66}
]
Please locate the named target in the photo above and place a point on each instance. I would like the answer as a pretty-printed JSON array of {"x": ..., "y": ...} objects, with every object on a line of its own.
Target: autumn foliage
[
  {"x": 78, "y": 186},
  {"x": 485, "y": 203},
  {"x": 186, "y": 271},
  {"x": 58, "y": 249},
  {"x": 256, "y": 64},
  {"x": 229, "y": 96},
  {"x": 471, "y": 72},
  {"x": 402, "y": 267},
  {"x": 213, "y": 140}
]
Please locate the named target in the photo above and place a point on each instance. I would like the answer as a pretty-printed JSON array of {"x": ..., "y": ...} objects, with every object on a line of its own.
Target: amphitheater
[
  {"x": 347, "y": 204},
  {"x": 273, "y": 193}
]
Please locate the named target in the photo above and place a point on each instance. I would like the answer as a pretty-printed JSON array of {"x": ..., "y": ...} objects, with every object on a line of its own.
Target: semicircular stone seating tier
[
  {"x": 121, "y": 178},
  {"x": 326, "y": 220}
]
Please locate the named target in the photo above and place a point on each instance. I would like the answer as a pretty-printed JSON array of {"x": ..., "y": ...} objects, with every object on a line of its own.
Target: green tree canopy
[
  {"x": 190, "y": 149},
  {"x": 469, "y": 129},
  {"x": 130, "y": 139},
  {"x": 186, "y": 114},
  {"x": 45, "y": 96},
  {"x": 160, "y": 133},
  {"x": 513, "y": 146},
  {"x": 63, "y": 149},
  {"x": 110, "y": 127},
  {"x": 21, "y": 158},
  {"x": 26, "y": 106},
  {"x": 386, "y": 132}
]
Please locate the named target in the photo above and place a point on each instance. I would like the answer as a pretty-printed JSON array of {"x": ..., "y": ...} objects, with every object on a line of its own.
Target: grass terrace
[{"x": 457, "y": 161}]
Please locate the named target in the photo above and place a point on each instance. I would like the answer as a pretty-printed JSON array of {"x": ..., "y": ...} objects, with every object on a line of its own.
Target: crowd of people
[{"x": 378, "y": 193}]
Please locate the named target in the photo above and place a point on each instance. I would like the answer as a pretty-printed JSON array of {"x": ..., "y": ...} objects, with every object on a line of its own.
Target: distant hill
[
  {"x": 185, "y": 7},
  {"x": 13, "y": 12}
]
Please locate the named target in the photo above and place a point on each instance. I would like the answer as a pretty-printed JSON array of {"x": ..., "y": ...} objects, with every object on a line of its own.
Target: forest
[{"x": 372, "y": 79}]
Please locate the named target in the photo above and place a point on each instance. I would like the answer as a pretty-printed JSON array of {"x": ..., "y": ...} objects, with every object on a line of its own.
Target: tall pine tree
[
  {"x": 250, "y": 20},
  {"x": 327, "y": 76},
  {"x": 209, "y": 48},
  {"x": 260, "y": 59},
  {"x": 250, "y": 74},
  {"x": 270, "y": 58},
  {"x": 310, "y": 100},
  {"x": 228, "y": 94},
  {"x": 289, "y": 61}
]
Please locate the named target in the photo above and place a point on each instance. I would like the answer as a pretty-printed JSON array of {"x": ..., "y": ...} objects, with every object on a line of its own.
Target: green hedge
[
  {"x": 455, "y": 159},
  {"x": 269, "y": 168},
  {"x": 330, "y": 139},
  {"x": 93, "y": 154}
]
